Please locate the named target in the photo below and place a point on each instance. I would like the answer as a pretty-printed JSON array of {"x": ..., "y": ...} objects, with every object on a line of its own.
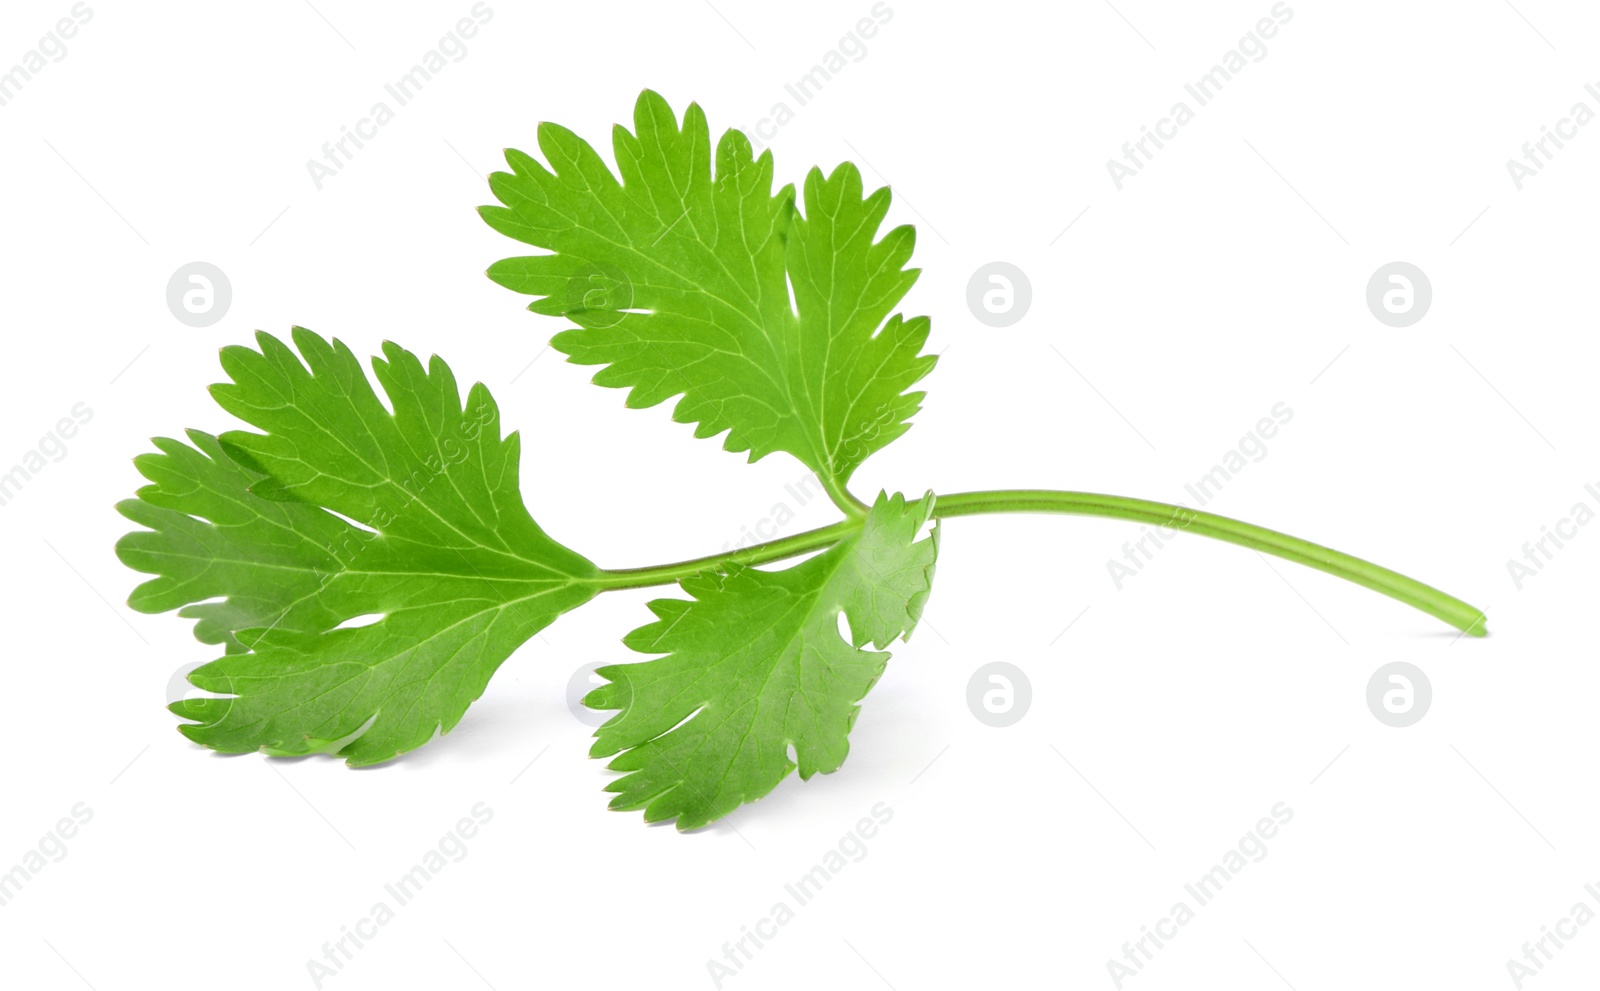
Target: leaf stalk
[{"x": 1464, "y": 617}]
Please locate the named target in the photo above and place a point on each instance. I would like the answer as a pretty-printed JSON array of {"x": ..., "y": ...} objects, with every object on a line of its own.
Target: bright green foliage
[
  {"x": 445, "y": 552},
  {"x": 755, "y": 664},
  {"x": 678, "y": 277},
  {"x": 368, "y": 567}
]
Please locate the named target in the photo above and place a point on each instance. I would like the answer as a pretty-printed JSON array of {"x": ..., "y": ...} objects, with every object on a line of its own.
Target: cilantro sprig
[{"x": 366, "y": 562}]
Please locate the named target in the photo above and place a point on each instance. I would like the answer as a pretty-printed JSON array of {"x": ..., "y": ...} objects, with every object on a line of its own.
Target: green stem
[
  {"x": 1391, "y": 583},
  {"x": 772, "y": 550},
  {"x": 1413, "y": 593},
  {"x": 852, "y": 507}
]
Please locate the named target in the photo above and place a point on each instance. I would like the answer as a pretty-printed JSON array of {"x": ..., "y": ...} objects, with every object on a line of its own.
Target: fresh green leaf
[
  {"x": 338, "y": 511},
  {"x": 755, "y": 664},
  {"x": 367, "y": 568},
  {"x": 210, "y": 540},
  {"x": 679, "y": 281}
]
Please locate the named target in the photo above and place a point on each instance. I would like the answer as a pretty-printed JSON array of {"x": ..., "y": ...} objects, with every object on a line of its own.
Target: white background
[{"x": 1225, "y": 278}]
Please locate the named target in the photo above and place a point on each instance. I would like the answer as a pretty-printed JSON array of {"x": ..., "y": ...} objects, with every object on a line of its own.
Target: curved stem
[
  {"x": 772, "y": 550},
  {"x": 1430, "y": 600},
  {"x": 1413, "y": 593},
  {"x": 848, "y": 504}
]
